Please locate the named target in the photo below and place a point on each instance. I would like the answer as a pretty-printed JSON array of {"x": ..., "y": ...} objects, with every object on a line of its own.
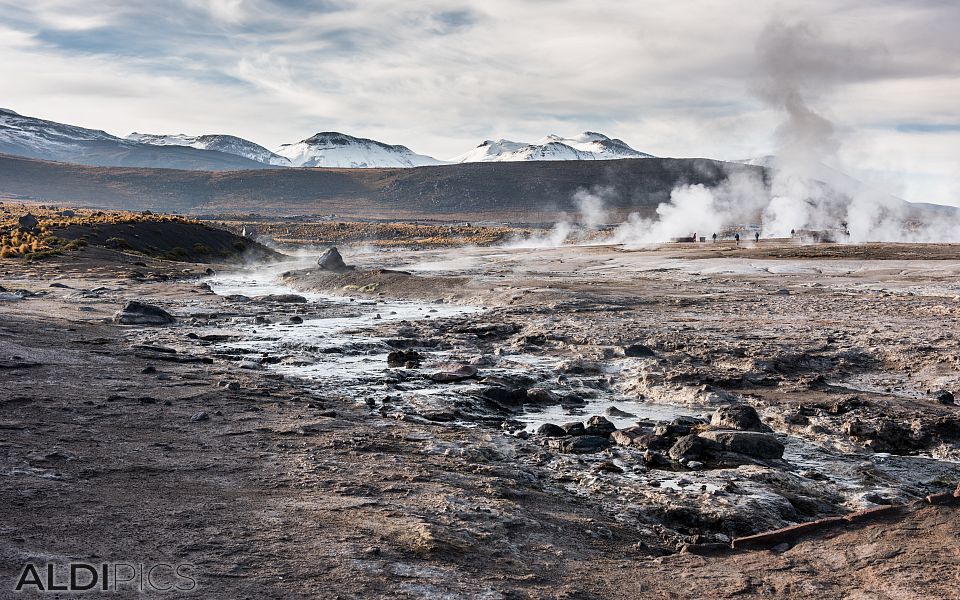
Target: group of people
[{"x": 756, "y": 237}]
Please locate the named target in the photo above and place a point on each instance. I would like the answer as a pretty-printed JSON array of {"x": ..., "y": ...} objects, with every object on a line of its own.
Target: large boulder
[
  {"x": 583, "y": 444},
  {"x": 640, "y": 437},
  {"x": 331, "y": 260},
  {"x": 140, "y": 313},
  {"x": 749, "y": 443},
  {"x": 679, "y": 426},
  {"x": 693, "y": 447},
  {"x": 742, "y": 417},
  {"x": 574, "y": 428},
  {"x": 538, "y": 395},
  {"x": 28, "y": 223},
  {"x": 551, "y": 430},
  {"x": 944, "y": 397}
]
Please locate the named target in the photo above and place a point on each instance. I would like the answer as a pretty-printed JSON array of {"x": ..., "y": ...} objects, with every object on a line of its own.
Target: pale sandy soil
[{"x": 383, "y": 484}]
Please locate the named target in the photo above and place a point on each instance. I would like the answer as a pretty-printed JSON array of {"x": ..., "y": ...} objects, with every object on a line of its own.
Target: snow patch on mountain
[
  {"x": 588, "y": 145},
  {"x": 333, "y": 149},
  {"x": 39, "y": 138},
  {"x": 229, "y": 144}
]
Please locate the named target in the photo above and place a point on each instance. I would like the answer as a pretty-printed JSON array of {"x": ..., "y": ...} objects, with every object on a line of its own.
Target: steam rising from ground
[{"x": 797, "y": 68}]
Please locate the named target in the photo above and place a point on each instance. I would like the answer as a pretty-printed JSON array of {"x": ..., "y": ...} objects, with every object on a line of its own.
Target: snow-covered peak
[
  {"x": 48, "y": 140},
  {"x": 588, "y": 145},
  {"x": 42, "y": 137},
  {"x": 590, "y": 136},
  {"x": 334, "y": 149},
  {"x": 229, "y": 144}
]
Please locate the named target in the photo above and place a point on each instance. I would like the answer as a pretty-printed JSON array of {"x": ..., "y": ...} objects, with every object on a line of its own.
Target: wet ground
[{"x": 383, "y": 434}]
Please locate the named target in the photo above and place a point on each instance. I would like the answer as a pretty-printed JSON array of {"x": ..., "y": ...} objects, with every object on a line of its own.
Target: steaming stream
[{"x": 335, "y": 350}]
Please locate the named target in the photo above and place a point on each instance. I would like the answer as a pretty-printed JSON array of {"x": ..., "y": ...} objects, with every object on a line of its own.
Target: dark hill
[
  {"x": 173, "y": 240},
  {"x": 528, "y": 191}
]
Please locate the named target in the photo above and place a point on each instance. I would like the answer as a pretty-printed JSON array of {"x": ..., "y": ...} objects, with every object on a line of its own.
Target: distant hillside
[
  {"x": 48, "y": 140},
  {"x": 527, "y": 191}
]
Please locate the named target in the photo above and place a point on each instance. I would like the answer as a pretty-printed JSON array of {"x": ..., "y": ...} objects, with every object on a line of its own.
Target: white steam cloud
[{"x": 796, "y": 68}]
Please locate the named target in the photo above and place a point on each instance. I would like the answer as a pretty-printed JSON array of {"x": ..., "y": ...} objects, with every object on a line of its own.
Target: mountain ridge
[
  {"x": 335, "y": 149},
  {"x": 49, "y": 140},
  {"x": 229, "y": 144},
  {"x": 535, "y": 191}
]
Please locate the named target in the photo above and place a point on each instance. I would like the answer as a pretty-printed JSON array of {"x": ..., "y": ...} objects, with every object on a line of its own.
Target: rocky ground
[{"x": 586, "y": 422}]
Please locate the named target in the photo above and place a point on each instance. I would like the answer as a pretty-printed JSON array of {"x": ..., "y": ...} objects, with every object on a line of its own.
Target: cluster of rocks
[{"x": 734, "y": 435}]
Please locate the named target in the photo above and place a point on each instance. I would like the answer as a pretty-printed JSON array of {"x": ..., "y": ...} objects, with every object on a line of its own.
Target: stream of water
[{"x": 338, "y": 349}]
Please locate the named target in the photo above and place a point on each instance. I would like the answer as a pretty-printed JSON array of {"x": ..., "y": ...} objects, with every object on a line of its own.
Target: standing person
[
  {"x": 756, "y": 237},
  {"x": 737, "y": 237},
  {"x": 714, "y": 238}
]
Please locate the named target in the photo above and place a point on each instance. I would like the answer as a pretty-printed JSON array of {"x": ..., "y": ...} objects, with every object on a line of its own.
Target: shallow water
[
  {"x": 308, "y": 343},
  {"x": 305, "y": 351},
  {"x": 537, "y": 416}
]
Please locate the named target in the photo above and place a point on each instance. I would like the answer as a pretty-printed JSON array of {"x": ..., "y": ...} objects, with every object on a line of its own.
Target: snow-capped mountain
[
  {"x": 332, "y": 149},
  {"x": 20, "y": 134},
  {"x": 588, "y": 145},
  {"x": 48, "y": 140},
  {"x": 222, "y": 143}
]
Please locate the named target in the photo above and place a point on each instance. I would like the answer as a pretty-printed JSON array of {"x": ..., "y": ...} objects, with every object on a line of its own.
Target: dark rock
[
  {"x": 453, "y": 372},
  {"x": 574, "y": 428},
  {"x": 551, "y": 430},
  {"x": 572, "y": 401},
  {"x": 541, "y": 396},
  {"x": 139, "y": 313},
  {"x": 283, "y": 298},
  {"x": 693, "y": 447},
  {"x": 613, "y": 411},
  {"x": 943, "y": 397},
  {"x": 750, "y": 443},
  {"x": 608, "y": 467},
  {"x": 237, "y": 298},
  {"x": 742, "y": 417},
  {"x": 200, "y": 416},
  {"x": 29, "y": 223},
  {"x": 597, "y": 425},
  {"x": 261, "y": 320},
  {"x": 844, "y": 406},
  {"x": 296, "y": 320},
  {"x": 331, "y": 260},
  {"x": 505, "y": 396},
  {"x": 677, "y": 427},
  {"x": 640, "y": 437},
  {"x": 400, "y": 358},
  {"x": 583, "y": 444},
  {"x": 639, "y": 351}
]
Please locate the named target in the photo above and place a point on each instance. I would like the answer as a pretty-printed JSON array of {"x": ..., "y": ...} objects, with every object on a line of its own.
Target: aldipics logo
[{"x": 106, "y": 577}]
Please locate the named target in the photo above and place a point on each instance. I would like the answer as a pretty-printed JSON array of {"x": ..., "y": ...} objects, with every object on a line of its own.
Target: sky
[{"x": 672, "y": 78}]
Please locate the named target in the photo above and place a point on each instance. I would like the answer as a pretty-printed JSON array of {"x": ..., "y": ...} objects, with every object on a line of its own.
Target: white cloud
[{"x": 442, "y": 75}]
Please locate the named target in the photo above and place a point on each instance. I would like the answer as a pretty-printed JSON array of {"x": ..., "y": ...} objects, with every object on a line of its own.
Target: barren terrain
[{"x": 387, "y": 433}]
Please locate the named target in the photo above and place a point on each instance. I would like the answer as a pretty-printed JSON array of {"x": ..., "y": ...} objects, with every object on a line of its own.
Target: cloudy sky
[{"x": 678, "y": 78}]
